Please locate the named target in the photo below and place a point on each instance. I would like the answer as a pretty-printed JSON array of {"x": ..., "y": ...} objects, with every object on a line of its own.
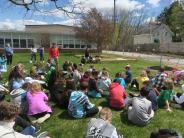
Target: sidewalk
[{"x": 152, "y": 57}]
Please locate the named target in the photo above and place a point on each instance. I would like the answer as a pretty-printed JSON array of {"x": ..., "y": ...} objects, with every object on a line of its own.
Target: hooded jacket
[{"x": 117, "y": 96}]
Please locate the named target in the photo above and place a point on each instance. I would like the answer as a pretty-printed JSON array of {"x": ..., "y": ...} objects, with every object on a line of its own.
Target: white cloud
[
  {"x": 154, "y": 2},
  {"x": 102, "y": 4},
  {"x": 150, "y": 19},
  {"x": 17, "y": 24},
  {"x": 68, "y": 21},
  {"x": 99, "y": 4}
]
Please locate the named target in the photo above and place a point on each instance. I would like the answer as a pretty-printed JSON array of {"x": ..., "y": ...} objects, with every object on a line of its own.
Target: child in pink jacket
[{"x": 37, "y": 102}]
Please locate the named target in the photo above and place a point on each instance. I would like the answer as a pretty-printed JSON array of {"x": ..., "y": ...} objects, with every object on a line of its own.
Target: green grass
[{"x": 60, "y": 125}]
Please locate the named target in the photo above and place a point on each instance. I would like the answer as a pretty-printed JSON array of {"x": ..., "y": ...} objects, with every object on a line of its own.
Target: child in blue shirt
[{"x": 79, "y": 104}]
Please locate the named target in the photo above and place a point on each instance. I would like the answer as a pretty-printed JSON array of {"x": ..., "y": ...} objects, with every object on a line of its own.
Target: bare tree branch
[{"x": 68, "y": 9}]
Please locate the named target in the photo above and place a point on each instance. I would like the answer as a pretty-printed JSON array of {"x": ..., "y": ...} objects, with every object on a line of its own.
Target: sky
[{"x": 16, "y": 17}]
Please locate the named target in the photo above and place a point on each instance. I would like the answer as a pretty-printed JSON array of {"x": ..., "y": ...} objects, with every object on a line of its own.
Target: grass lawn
[{"x": 60, "y": 125}]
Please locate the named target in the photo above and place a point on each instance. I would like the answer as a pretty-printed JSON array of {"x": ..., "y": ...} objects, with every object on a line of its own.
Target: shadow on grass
[
  {"x": 64, "y": 115},
  {"x": 104, "y": 103},
  {"x": 124, "y": 118}
]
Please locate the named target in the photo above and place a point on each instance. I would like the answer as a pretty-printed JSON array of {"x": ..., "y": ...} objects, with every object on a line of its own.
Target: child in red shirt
[{"x": 117, "y": 96}]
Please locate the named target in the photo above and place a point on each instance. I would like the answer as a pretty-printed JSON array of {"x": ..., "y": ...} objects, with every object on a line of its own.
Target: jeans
[
  {"x": 33, "y": 56},
  {"x": 41, "y": 57},
  {"x": 30, "y": 130},
  {"x": 9, "y": 59}
]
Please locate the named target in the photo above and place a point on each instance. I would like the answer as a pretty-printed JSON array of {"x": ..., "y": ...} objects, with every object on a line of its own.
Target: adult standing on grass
[
  {"x": 9, "y": 54},
  {"x": 33, "y": 54},
  {"x": 41, "y": 52},
  {"x": 54, "y": 52}
]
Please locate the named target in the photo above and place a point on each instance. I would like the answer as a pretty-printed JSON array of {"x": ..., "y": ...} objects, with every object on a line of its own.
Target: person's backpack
[{"x": 166, "y": 133}]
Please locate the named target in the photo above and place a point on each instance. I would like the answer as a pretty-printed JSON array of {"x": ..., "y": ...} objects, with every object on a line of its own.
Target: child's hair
[
  {"x": 118, "y": 74},
  {"x": 106, "y": 114},
  {"x": 83, "y": 85},
  {"x": 148, "y": 71},
  {"x": 8, "y": 111},
  {"x": 144, "y": 92},
  {"x": 105, "y": 73},
  {"x": 162, "y": 69},
  {"x": 127, "y": 66},
  {"x": 143, "y": 73},
  {"x": 169, "y": 84},
  {"x": 95, "y": 73},
  {"x": 70, "y": 84},
  {"x": 75, "y": 66},
  {"x": 26, "y": 86},
  {"x": 35, "y": 87}
]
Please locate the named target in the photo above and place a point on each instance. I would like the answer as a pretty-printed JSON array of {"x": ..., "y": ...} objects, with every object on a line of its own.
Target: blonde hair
[
  {"x": 106, "y": 114},
  {"x": 35, "y": 87},
  {"x": 169, "y": 84},
  {"x": 143, "y": 73}
]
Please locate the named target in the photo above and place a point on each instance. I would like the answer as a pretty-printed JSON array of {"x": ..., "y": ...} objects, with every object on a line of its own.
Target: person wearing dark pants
[
  {"x": 41, "y": 52},
  {"x": 33, "y": 54},
  {"x": 9, "y": 54}
]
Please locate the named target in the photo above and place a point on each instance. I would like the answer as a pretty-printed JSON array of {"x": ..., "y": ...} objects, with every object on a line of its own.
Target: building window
[
  {"x": 88, "y": 46},
  {"x": 77, "y": 43},
  {"x": 71, "y": 44},
  {"x": 23, "y": 43},
  {"x": 59, "y": 43},
  {"x": 77, "y": 46},
  {"x": 8, "y": 41},
  {"x": 15, "y": 43},
  {"x": 1, "y": 43},
  {"x": 65, "y": 44},
  {"x": 30, "y": 43},
  {"x": 83, "y": 46}
]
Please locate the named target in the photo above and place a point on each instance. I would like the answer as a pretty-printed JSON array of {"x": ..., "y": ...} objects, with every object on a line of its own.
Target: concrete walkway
[{"x": 152, "y": 57}]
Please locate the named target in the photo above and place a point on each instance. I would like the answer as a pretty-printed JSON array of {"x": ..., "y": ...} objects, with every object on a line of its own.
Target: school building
[{"x": 37, "y": 35}]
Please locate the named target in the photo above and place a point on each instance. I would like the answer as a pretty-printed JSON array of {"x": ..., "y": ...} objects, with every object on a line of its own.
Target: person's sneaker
[
  {"x": 42, "y": 134},
  {"x": 99, "y": 108},
  {"x": 42, "y": 119}
]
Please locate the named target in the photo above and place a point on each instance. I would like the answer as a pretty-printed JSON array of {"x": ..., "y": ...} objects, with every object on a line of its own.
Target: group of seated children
[{"x": 71, "y": 87}]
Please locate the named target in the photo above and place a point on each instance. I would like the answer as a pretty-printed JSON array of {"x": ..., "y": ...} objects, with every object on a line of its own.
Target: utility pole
[{"x": 114, "y": 14}]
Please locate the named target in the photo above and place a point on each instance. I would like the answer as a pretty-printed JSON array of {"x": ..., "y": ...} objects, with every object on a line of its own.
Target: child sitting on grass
[
  {"x": 102, "y": 127},
  {"x": 37, "y": 102},
  {"x": 165, "y": 95},
  {"x": 120, "y": 77},
  {"x": 178, "y": 99},
  {"x": 140, "y": 113},
  {"x": 79, "y": 104},
  {"x": 128, "y": 73},
  {"x": 8, "y": 117},
  {"x": 117, "y": 95},
  {"x": 94, "y": 91},
  {"x": 104, "y": 81},
  {"x": 138, "y": 82}
]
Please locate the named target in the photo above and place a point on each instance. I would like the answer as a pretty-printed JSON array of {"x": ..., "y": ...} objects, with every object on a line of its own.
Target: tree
[
  {"x": 94, "y": 28},
  {"x": 69, "y": 8},
  {"x": 128, "y": 23},
  {"x": 173, "y": 16}
]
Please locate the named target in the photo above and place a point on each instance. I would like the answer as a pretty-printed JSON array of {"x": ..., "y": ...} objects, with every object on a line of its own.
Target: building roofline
[{"x": 50, "y": 25}]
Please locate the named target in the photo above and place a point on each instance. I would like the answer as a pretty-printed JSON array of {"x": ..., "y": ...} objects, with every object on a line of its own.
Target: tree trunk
[{"x": 99, "y": 48}]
